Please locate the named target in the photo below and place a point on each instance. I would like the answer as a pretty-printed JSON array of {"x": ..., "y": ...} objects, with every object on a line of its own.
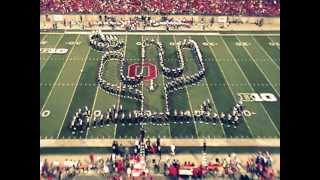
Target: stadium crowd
[
  {"x": 203, "y": 7},
  {"x": 259, "y": 166}
]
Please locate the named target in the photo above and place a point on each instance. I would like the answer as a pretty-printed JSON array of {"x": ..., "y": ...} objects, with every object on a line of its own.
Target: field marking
[
  {"x": 233, "y": 95},
  {"x": 55, "y": 82},
  {"x": 245, "y": 77},
  {"x": 206, "y": 84},
  {"x": 117, "y": 108},
  {"x": 194, "y": 122},
  {"x": 200, "y": 33},
  {"x": 74, "y": 90},
  {"x": 245, "y": 48},
  {"x": 178, "y": 142},
  {"x": 190, "y": 106},
  {"x": 44, "y": 37},
  {"x": 164, "y": 91},
  {"x": 93, "y": 106},
  {"x": 142, "y": 62},
  {"x": 47, "y": 59},
  {"x": 265, "y": 52},
  {"x": 273, "y": 41},
  {"x": 118, "y": 102},
  {"x": 224, "y": 133}
]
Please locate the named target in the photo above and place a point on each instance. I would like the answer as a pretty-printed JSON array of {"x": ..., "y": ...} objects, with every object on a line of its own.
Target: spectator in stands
[
  {"x": 202, "y": 7},
  {"x": 257, "y": 166}
]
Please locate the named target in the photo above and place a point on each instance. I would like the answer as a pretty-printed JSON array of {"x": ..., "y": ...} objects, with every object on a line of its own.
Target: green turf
[
  {"x": 255, "y": 76},
  {"x": 230, "y": 70},
  {"x": 154, "y": 100},
  {"x": 60, "y": 99},
  {"x": 264, "y": 62},
  {"x": 84, "y": 95},
  {"x": 273, "y": 51},
  {"x": 51, "y": 42},
  {"x": 234, "y": 76},
  {"x": 52, "y": 69},
  {"x": 222, "y": 95},
  {"x": 133, "y": 52},
  {"x": 198, "y": 94},
  {"x": 177, "y": 100}
]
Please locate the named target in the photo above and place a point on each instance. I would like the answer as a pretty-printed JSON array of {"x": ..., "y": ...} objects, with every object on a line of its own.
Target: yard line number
[{"x": 53, "y": 50}]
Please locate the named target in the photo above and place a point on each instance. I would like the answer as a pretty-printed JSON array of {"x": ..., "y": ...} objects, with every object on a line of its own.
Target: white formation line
[
  {"x": 118, "y": 102},
  {"x": 74, "y": 90},
  {"x": 164, "y": 90},
  {"x": 245, "y": 77},
  {"x": 45, "y": 103}
]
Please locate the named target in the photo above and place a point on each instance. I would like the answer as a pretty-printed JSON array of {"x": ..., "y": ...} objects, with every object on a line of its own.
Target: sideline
[{"x": 219, "y": 142}]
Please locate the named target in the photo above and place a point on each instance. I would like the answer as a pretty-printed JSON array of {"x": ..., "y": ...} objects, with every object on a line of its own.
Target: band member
[
  {"x": 222, "y": 118},
  {"x": 229, "y": 118},
  {"x": 236, "y": 122},
  {"x": 215, "y": 118}
]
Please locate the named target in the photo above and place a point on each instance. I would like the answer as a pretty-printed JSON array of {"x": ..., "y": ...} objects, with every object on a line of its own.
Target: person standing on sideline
[
  {"x": 142, "y": 133},
  {"x": 204, "y": 146},
  {"x": 173, "y": 148}
]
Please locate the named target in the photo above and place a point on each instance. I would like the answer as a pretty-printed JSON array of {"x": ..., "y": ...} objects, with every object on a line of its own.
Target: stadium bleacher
[{"x": 195, "y": 7}]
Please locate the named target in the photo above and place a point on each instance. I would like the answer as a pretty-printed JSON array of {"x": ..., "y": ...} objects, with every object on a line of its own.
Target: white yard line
[
  {"x": 44, "y": 37},
  {"x": 117, "y": 107},
  {"x": 162, "y": 33},
  {"x": 119, "y": 98},
  {"x": 273, "y": 41},
  {"x": 92, "y": 109},
  {"x": 47, "y": 59},
  {"x": 189, "y": 99},
  {"x": 74, "y": 90},
  {"x": 214, "y": 105},
  {"x": 45, "y": 103},
  {"x": 233, "y": 95},
  {"x": 194, "y": 122},
  {"x": 164, "y": 90},
  {"x": 265, "y": 52},
  {"x": 245, "y": 77},
  {"x": 259, "y": 68},
  {"x": 142, "y": 61}
]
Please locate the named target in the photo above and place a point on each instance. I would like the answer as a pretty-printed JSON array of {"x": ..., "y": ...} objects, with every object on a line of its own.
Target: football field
[{"x": 238, "y": 67}]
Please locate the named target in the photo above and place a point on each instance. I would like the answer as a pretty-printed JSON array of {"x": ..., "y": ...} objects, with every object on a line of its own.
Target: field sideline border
[
  {"x": 163, "y": 33},
  {"x": 218, "y": 142}
]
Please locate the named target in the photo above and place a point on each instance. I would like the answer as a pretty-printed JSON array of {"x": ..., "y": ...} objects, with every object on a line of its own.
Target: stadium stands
[
  {"x": 199, "y": 7},
  {"x": 258, "y": 166}
]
